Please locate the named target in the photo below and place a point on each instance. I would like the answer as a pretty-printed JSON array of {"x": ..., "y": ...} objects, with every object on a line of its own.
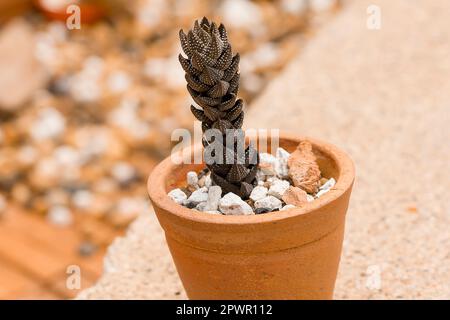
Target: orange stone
[
  {"x": 303, "y": 169},
  {"x": 294, "y": 196}
]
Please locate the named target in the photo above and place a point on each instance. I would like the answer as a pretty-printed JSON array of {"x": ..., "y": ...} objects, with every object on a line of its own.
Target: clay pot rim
[{"x": 158, "y": 194}]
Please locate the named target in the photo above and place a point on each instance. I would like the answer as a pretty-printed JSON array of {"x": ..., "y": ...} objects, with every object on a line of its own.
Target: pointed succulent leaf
[
  {"x": 234, "y": 84},
  {"x": 205, "y": 23},
  {"x": 237, "y": 173},
  {"x": 199, "y": 114},
  {"x": 219, "y": 89},
  {"x": 196, "y": 84},
  {"x": 234, "y": 112},
  {"x": 224, "y": 61},
  {"x": 228, "y": 103},
  {"x": 194, "y": 41},
  {"x": 223, "y": 33},
  {"x": 246, "y": 189},
  {"x": 233, "y": 68},
  {"x": 212, "y": 75},
  {"x": 187, "y": 67},
  {"x": 204, "y": 37},
  {"x": 222, "y": 125},
  {"x": 212, "y": 113},
  {"x": 197, "y": 61},
  {"x": 239, "y": 121},
  {"x": 184, "y": 43}
]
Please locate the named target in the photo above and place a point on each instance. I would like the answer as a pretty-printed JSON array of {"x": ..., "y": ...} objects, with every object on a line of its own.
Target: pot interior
[{"x": 327, "y": 163}]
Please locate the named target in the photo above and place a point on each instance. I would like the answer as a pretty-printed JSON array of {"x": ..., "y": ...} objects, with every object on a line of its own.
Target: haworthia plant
[{"x": 212, "y": 75}]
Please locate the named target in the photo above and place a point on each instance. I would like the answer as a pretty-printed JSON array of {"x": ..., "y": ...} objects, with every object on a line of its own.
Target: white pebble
[
  {"x": 177, "y": 195},
  {"x": 258, "y": 192},
  {"x": 208, "y": 181},
  {"x": 82, "y": 199},
  {"x": 278, "y": 188},
  {"x": 201, "y": 206},
  {"x": 242, "y": 14},
  {"x": 213, "y": 212},
  {"x": 260, "y": 177},
  {"x": 281, "y": 166},
  {"x": 199, "y": 195},
  {"x": 287, "y": 207},
  {"x": 294, "y": 6},
  {"x": 322, "y": 5},
  {"x": 50, "y": 123},
  {"x": 192, "y": 178},
  {"x": 328, "y": 185},
  {"x": 269, "y": 202},
  {"x": 123, "y": 172},
  {"x": 60, "y": 216},
  {"x": 232, "y": 204},
  {"x": 321, "y": 192},
  {"x": 118, "y": 82},
  {"x": 309, "y": 198},
  {"x": 214, "y": 195},
  {"x": 267, "y": 158}
]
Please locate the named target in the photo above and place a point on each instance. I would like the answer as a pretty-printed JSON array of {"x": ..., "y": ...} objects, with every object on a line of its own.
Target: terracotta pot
[{"x": 292, "y": 254}]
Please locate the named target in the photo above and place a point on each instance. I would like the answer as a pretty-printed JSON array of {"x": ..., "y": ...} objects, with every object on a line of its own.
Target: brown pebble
[
  {"x": 303, "y": 169},
  {"x": 295, "y": 196}
]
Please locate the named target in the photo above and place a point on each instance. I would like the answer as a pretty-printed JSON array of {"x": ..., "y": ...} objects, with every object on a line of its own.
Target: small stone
[
  {"x": 260, "y": 176},
  {"x": 232, "y": 204},
  {"x": 201, "y": 206},
  {"x": 213, "y": 212},
  {"x": 208, "y": 181},
  {"x": 50, "y": 123},
  {"x": 177, "y": 195},
  {"x": 214, "y": 195},
  {"x": 322, "y": 5},
  {"x": 60, "y": 216},
  {"x": 192, "y": 179},
  {"x": 262, "y": 210},
  {"x": 82, "y": 199},
  {"x": 281, "y": 165},
  {"x": 269, "y": 202},
  {"x": 199, "y": 195},
  {"x": 118, "y": 82},
  {"x": 295, "y": 196},
  {"x": 258, "y": 193},
  {"x": 123, "y": 172},
  {"x": 309, "y": 198},
  {"x": 87, "y": 249},
  {"x": 278, "y": 188},
  {"x": 189, "y": 205},
  {"x": 321, "y": 192},
  {"x": 287, "y": 207},
  {"x": 267, "y": 169},
  {"x": 303, "y": 169},
  {"x": 328, "y": 185},
  {"x": 267, "y": 164},
  {"x": 201, "y": 181}
]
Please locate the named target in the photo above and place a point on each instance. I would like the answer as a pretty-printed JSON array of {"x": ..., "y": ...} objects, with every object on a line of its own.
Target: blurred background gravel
[{"x": 85, "y": 115}]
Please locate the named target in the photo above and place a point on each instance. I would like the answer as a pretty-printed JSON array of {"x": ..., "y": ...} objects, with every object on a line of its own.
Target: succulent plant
[{"x": 212, "y": 75}]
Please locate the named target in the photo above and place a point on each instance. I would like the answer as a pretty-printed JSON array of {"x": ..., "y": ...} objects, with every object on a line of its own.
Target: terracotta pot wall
[{"x": 291, "y": 254}]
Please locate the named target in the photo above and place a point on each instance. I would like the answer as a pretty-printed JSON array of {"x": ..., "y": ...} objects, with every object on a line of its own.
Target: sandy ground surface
[{"x": 384, "y": 96}]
